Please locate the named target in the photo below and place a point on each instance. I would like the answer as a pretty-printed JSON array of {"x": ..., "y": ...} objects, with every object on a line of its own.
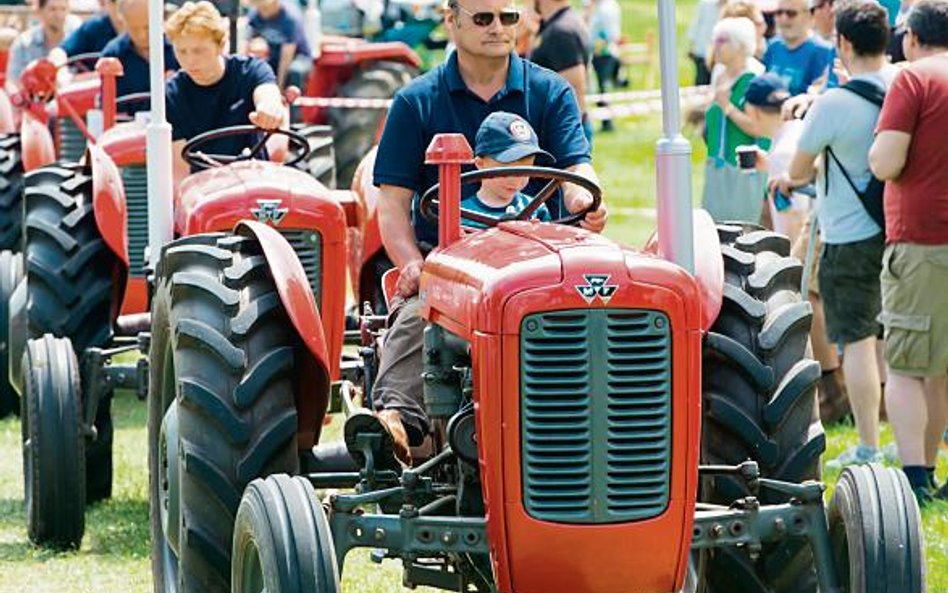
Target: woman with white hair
[{"x": 729, "y": 193}]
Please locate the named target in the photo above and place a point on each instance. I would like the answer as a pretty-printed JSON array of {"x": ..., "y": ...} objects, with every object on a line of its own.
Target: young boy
[{"x": 504, "y": 140}]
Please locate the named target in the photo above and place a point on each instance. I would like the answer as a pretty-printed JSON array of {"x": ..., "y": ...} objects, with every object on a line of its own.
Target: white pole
[
  {"x": 158, "y": 144},
  {"x": 673, "y": 154},
  {"x": 313, "y": 23}
]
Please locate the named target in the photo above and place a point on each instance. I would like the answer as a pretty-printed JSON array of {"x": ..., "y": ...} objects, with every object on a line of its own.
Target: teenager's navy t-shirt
[
  {"x": 91, "y": 36},
  {"x": 194, "y": 109},
  {"x": 135, "y": 79}
]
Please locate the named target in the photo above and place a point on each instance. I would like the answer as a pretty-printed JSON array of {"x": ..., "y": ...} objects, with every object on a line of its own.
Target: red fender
[
  {"x": 108, "y": 201},
  {"x": 36, "y": 142},
  {"x": 7, "y": 117},
  {"x": 297, "y": 297},
  {"x": 709, "y": 266}
]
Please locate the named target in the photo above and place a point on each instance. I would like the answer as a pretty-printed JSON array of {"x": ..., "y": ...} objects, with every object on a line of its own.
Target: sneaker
[
  {"x": 891, "y": 454},
  {"x": 857, "y": 455}
]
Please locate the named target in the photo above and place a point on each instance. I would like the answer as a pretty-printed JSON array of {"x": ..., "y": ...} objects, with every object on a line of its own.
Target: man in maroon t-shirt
[{"x": 910, "y": 152}]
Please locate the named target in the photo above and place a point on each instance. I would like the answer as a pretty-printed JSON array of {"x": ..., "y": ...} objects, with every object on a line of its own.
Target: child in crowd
[{"x": 504, "y": 140}]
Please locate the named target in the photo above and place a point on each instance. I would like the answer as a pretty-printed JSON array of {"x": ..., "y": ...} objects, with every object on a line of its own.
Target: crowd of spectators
[{"x": 850, "y": 98}]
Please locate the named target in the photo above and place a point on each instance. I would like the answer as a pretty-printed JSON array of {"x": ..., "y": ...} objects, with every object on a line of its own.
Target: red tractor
[
  {"x": 84, "y": 300},
  {"x": 605, "y": 419}
]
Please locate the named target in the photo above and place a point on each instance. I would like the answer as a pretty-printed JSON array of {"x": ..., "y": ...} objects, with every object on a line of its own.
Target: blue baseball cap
[
  {"x": 507, "y": 137},
  {"x": 767, "y": 90}
]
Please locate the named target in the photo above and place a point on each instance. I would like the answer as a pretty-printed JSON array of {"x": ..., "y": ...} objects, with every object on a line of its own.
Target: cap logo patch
[{"x": 520, "y": 130}]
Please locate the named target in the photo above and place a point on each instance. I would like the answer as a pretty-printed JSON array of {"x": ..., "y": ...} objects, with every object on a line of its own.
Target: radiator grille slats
[
  {"x": 135, "y": 181},
  {"x": 602, "y": 372},
  {"x": 72, "y": 144},
  {"x": 308, "y": 246}
]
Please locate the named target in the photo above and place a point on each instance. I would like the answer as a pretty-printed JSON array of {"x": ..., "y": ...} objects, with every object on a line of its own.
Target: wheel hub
[{"x": 169, "y": 478}]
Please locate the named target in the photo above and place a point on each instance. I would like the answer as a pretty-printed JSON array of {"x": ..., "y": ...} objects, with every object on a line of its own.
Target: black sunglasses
[
  {"x": 789, "y": 13},
  {"x": 508, "y": 18}
]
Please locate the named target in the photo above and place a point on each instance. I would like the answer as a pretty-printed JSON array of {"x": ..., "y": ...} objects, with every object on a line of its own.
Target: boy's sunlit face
[
  {"x": 503, "y": 187},
  {"x": 199, "y": 56}
]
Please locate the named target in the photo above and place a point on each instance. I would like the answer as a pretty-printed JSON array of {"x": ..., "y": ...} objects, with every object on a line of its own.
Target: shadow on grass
[{"x": 114, "y": 528}]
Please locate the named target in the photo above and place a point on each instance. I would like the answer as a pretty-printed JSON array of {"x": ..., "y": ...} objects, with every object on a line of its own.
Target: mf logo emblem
[
  {"x": 269, "y": 211},
  {"x": 596, "y": 287}
]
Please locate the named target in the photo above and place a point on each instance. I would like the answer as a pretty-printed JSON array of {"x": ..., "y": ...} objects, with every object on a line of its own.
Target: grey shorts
[{"x": 850, "y": 288}]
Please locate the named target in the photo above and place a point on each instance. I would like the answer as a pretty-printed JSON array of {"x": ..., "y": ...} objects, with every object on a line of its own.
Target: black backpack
[{"x": 871, "y": 197}]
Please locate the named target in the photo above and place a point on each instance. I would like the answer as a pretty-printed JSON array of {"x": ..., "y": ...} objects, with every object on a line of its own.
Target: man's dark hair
[
  {"x": 865, "y": 24},
  {"x": 928, "y": 20}
]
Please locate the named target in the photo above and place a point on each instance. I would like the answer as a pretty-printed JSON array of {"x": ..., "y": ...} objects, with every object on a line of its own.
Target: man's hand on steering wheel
[{"x": 595, "y": 220}]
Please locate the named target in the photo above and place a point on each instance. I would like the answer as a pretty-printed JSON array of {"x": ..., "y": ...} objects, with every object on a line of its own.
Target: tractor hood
[
  {"x": 466, "y": 286},
  {"x": 257, "y": 190},
  {"x": 80, "y": 95},
  {"x": 125, "y": 143}
]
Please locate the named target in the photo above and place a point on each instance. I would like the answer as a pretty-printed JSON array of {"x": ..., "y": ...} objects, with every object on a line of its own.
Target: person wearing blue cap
[{"x": 504, "y": 140}]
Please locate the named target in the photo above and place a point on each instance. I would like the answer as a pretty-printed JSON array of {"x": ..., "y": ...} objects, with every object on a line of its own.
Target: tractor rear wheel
[
  {"x": 53, "y": 444},
  {"x": 70, "y": 276},
  {"x": 11, "y": 192},
  {"x": 355, "y": 130},
  {"x": 282, "y": 540},
  {"x": 759, "y": 402},
  {"x": 221, "y": 402},
  {"x": 320, "y": 162},
  {"x": 11, "y": 272},
  {"x": 875, "y": 532}
]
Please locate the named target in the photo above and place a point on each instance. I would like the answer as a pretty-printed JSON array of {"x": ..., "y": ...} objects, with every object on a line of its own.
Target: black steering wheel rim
[
  {"x": 298, "y": 144},
  {"x": 82, "y": 63},
  {"x": 557, "y": 177}
]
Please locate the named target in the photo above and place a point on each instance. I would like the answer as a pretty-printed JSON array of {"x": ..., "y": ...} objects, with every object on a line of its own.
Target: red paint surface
[
  {"x": 36, "y": 142},
  {"x": 111, "y": 217},
  {"x": 125, "y": 143}
]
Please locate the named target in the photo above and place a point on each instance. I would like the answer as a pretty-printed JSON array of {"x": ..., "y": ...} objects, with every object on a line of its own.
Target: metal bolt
[
  {"x": 532, "y": 325},
  {"x": 449, "y": 537},
  {"x": 716, "y": 531},
  {"x": 779, "y": 525},
  {"x": 379, "y": 534},
  {"x": 659, "y": 322}
]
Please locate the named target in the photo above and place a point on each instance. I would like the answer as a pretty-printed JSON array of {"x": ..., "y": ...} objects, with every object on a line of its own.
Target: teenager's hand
[
  {"x": 595, "y": 221},
  {"x": 269, "y": 114}
]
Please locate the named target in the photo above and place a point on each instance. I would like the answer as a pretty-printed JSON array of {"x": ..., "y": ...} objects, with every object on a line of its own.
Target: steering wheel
[
  {"x": 122, "y": 103},
  {"x": 82, "y": 62},
  {"x": 299, "y": 147},
  {"x": 557, "y": 177}
]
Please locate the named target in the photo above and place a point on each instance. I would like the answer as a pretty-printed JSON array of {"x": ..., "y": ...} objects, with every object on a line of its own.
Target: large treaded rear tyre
[
  {"x": 320, "y": 162},
  {"x": 759, "y": 401},
  {"x": 354, "y": 130},
  {"x": 282, "y": 540},
  {"x": 53, "y": 444},
  {"x": 11, "y": 192},
  {"x": 70, "y": 283},
  {"x": 69, "y": 269},
  {"x": 11, "y": 272},
  {"x": 875, "y": 532},
  {"x": 223, "y": 375}
]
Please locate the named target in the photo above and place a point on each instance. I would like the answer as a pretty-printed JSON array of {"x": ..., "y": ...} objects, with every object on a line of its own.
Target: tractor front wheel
[
  {"x": 282, "y": 540},
  {"x": 11, "y": 192},
  {"x": 53, "y": 444},
  {"x": 221, "y": 403},
  {"x": 759, "y": 403},
  {"x": 875, "y": 532}
]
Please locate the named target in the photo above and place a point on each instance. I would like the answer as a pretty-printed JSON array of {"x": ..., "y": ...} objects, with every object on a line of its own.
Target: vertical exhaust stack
[
  {"x": 673, "y": 154},
  {"x": 158, "y": 143}
]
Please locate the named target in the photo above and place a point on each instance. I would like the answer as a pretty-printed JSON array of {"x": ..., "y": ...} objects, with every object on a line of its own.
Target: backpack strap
[{"x": 867, "y": 90}]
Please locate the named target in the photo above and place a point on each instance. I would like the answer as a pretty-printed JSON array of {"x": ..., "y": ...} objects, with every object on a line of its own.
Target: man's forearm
[
  {"x": 398, "y": 236},
  {"x": 287, "y": 53}
]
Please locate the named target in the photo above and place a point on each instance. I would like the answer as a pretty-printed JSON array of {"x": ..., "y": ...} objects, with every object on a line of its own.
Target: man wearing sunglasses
[
  {"x": 796, "y": 55},
  {"x": 484, "y": 75},
  {"x": 562, "y": 45}
]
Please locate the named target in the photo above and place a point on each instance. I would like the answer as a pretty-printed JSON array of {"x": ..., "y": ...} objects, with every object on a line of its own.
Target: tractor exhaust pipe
[
  {"x": 158, "y": 140},
  {"x": 673, "y": 154}
]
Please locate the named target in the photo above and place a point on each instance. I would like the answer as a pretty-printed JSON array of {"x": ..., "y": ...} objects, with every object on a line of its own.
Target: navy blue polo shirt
[
  {"x": 135, "y": 79},
  {"x": 194, "y": 109},
  {"x": 439, "y": 102},
  {"x": 285, "y": 27},
  {"x": 91, "y": 36}
]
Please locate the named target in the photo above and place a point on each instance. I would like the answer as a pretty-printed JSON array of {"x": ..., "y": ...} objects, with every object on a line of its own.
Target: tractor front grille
[
  {"x": 595, "y": 397},
  {"x": 308, "y": 246},
  {"x": 72, "y": 144},
  {"x": 135, "y": 180}
]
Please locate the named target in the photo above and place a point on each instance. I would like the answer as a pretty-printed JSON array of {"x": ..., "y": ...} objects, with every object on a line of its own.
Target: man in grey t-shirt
[{"x": 842, "y": 122}]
